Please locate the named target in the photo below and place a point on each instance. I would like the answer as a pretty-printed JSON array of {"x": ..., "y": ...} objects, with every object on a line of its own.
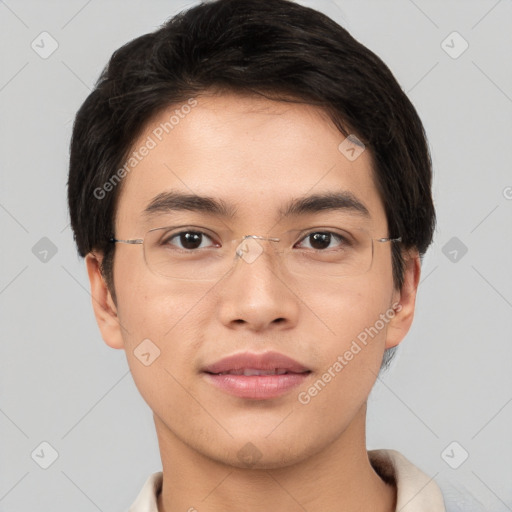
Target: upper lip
[{"x": 262, "y": 361}]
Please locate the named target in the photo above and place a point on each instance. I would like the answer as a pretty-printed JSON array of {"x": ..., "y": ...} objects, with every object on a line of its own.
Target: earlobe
[
  {"x": 103, "y": 305},
  {"x": 405, "y": 302}
]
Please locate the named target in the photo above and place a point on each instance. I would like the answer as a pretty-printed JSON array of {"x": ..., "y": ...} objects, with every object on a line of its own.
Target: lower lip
[{"x": 257, "y": 387}]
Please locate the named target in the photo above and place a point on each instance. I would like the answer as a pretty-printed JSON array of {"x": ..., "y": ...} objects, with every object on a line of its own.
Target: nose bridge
[
  {"x": 255, "y": 296},
  {"x": 250, "y": 248}
]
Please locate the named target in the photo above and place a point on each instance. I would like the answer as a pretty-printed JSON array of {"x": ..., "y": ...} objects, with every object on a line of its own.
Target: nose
[{"x": 255, "y": 294}]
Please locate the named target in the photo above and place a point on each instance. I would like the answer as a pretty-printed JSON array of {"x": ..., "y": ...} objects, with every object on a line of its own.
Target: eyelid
[
  {"x": 323, "y": 229},
  {"x": 173, "y": 231},
  {"x": 341, "y": 238}
]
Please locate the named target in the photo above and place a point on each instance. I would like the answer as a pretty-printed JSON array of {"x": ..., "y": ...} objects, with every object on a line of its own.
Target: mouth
[
  {"x": 256, "y": 376},
  {"x": 249, "y": 372}
]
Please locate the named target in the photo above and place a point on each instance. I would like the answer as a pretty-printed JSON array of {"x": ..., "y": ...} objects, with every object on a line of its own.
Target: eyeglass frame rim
[{"x": 140, "y": 241}]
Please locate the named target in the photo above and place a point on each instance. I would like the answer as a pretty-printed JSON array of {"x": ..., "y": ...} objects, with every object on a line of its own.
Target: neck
[{"x": 340, "y": 477}]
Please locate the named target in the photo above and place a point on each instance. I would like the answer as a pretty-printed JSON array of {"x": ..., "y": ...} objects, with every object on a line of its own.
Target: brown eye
[
  {"x": 188, "y": 240},
  {"x": 321, "y": 240}
]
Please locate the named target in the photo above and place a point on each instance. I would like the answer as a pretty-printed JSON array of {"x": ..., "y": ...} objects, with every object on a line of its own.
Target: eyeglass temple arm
[
  {"x": 399, "y": 239},
  {"x": 133, "y": 241}
]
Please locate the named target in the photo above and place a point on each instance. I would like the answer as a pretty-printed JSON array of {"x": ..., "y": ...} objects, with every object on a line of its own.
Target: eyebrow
[
  {"x": 325, "y": 201},
  {"x": 179, "y": 201},
  {"x": 329, "y": 201}
]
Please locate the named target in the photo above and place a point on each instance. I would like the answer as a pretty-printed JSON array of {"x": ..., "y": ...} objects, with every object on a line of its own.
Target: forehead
[{"x": 251, "y": 154}]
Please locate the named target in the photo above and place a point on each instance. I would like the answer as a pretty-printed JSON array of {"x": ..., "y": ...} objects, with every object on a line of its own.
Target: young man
[{"x": 251, "y": 191}]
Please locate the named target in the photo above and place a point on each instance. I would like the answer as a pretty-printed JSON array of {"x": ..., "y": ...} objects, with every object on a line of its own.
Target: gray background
[{"x": 60, "y": 384}]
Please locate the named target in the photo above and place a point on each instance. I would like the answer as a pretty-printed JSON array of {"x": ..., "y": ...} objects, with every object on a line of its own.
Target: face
[{"x": 254, "y": 156}]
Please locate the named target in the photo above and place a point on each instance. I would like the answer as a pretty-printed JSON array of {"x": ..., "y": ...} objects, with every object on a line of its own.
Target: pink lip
[
  {"x": 262, "y": 361},
  {"x": 256, "y": 387}
]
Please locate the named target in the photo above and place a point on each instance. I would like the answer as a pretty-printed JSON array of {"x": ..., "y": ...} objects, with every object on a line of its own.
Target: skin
[{"x": 255, "y": 154}]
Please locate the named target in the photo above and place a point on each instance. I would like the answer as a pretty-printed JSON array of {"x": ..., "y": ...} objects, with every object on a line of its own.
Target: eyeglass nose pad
[{"x": 249, "y": 249}]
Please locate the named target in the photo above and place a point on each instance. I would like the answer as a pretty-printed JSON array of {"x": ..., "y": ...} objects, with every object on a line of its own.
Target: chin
[{"x": 261, "y": 454}]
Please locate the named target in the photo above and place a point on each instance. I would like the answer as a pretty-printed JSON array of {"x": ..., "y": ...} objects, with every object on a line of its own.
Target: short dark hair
[{"x": 277, "y": 49}]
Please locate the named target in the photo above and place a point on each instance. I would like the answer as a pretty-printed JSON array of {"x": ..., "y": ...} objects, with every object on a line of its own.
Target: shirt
[{"x": 416, "y": 492}]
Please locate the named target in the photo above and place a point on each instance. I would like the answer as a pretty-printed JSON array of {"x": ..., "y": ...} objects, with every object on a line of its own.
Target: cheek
[
  {"x": 147, "y": 305},
  {"x": 348, "y": 307},
  {"x": 355, "y": 315},
  {"x": 159, "y": 321},
  {"x": 348, "y": 355},
  {"x": 159, "y": 328}
]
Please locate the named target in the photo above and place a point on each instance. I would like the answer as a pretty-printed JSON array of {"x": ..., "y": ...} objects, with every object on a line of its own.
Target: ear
[
  {"x": 103, "y": 305},
  {"x": 404, "y": 301}
]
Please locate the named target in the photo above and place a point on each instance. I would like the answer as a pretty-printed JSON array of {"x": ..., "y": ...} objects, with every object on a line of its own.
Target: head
[{"x": 249, "y": 102}]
